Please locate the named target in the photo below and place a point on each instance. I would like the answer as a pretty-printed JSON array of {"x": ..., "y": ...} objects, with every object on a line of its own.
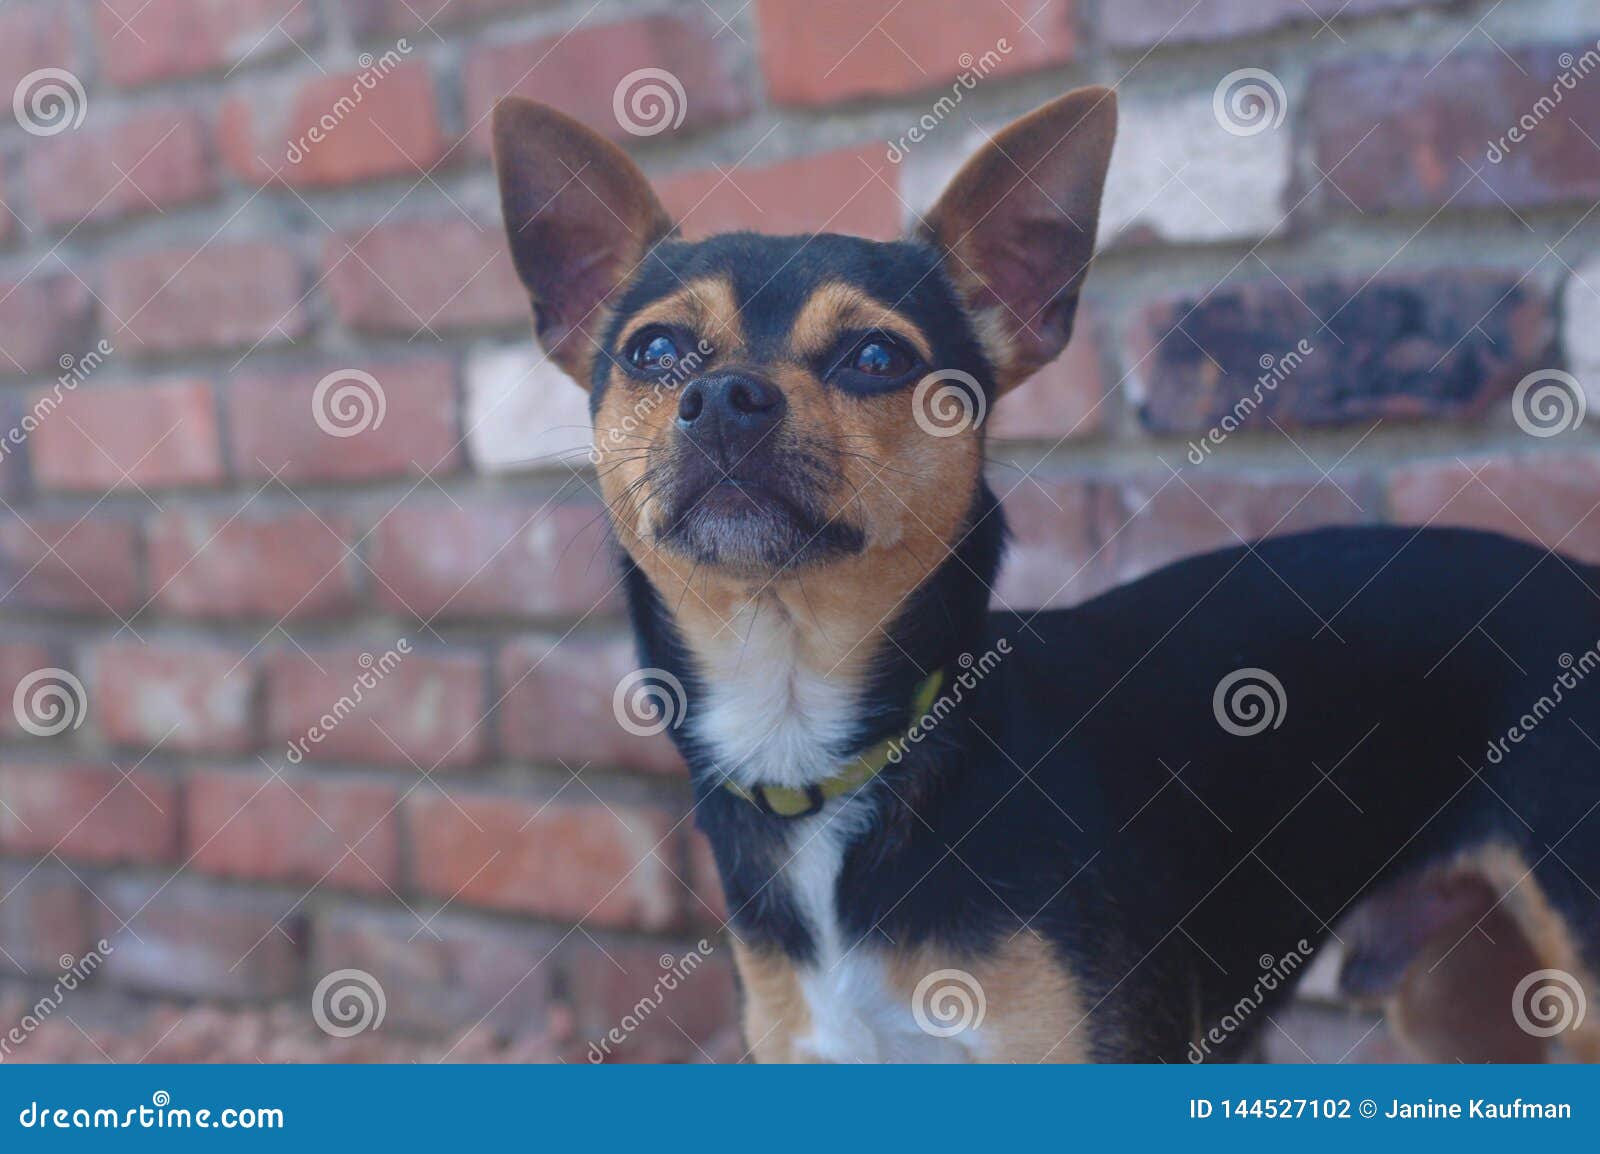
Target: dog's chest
[{"x": 858, "y": 1005}]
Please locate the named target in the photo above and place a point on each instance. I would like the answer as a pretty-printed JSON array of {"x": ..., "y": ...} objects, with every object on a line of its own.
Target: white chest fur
[{"x": 770, "y": 718}]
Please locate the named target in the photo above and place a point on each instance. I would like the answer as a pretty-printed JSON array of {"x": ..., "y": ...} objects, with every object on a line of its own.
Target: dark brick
[{"x": 1410, "y": 346}]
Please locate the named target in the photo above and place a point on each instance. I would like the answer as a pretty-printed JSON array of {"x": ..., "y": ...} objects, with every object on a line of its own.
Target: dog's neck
[{"x": 787, "y": 678}]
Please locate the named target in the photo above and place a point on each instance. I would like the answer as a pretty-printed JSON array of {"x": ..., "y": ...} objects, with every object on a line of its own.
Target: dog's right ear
[{"x": 580, "y": 217}]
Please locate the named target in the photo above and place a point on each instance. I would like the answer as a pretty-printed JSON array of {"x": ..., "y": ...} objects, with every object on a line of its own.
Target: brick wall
[{"x": 229, "y": 244}]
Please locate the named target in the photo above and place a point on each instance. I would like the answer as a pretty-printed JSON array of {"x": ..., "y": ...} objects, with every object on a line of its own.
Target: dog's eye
[
  {"x": 881, "y": 356},
  {"x": 653, "y": 350}
]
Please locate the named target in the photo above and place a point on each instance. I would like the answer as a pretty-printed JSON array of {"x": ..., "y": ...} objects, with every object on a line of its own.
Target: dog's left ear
[
  {"x": 580, "y": 217},
  {"x": 1017, "y": 226}
]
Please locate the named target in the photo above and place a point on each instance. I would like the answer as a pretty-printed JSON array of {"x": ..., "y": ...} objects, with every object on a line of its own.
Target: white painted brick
[
  {"x": 523, "y": 412},
  {"x": 1175, "y": 176},
  {"x": 1580, "y": 325}
]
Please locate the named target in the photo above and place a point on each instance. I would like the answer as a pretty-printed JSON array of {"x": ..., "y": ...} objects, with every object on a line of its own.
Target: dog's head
[{"x": 767, "y": 405}]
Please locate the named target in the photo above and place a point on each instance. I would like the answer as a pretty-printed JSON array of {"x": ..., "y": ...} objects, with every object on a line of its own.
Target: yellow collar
[{"x": 781, "y": 801}]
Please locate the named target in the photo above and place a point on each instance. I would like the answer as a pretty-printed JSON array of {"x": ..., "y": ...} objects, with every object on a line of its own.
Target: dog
[{"x": 1116, "y": 832}]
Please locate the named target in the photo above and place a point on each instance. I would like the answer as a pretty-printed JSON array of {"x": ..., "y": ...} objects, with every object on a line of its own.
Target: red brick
[
  {"x": 531, "y": 559},
  {"x": 202, "y": 940},
  {"x": 1052, "y": 559},
  {"x": 389, "y": 129},
  {"x": 1064, "y": 399},
  {"x": 1547, "y": 498},
  {"x": 287, "y": 829},
  {"x": 1147, "y": 525},
  {"x": 683, "y": 1024},
  {"x": 571, "y": 862},
  {"x": 579, "y": 72},
  {"x": 387, "y": 17},
  {"x": 451, "y": 973},
  {"x": 255, "y": 563},
  {"x": 17, "y": 660},
  {"x": 88, "y": 812},
  {"x": 1168, "y": 22},
  {"x": 148, "y": 161},
  {"x": 185, "y": 698},
  {"x": 43, "y": 919},
  {"x": 42, "y": 319},
  {"x": 417, "y": 276},
  {"x": 222, "y": 296},
  {"x": 431, "y": 705},
  {"x": 141, "y": 41},
  {"x": 33, "y": 35},
  {"x": 853, "y": 191},
  {"x": 1444, "y": 344},
  {"x": 68, "y": 564},
  {"x": 831, "y": 50},
  {"x": 275, "y": 423},
  {"x": 1409, "y": 134},
  {"x": 558, "y": 707},
  {"x": 128, "y": 436}
]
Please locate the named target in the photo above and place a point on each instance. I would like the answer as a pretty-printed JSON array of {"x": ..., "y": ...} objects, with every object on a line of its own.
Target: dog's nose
[{"x": 737, "y": 409}]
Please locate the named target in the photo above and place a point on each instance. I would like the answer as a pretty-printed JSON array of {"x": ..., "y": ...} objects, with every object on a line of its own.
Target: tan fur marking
[
  {"x": 837, "y": 307},
  {"x": 1033, "y": 1011},
  {"x": 706, "y": 307},
  {"x": 1426, "y": 1012},
  {"x": 774, "y": 1009}
]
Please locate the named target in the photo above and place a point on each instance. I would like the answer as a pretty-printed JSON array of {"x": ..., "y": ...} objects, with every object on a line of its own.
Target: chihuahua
[{"x": 1116, "y": 832}]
